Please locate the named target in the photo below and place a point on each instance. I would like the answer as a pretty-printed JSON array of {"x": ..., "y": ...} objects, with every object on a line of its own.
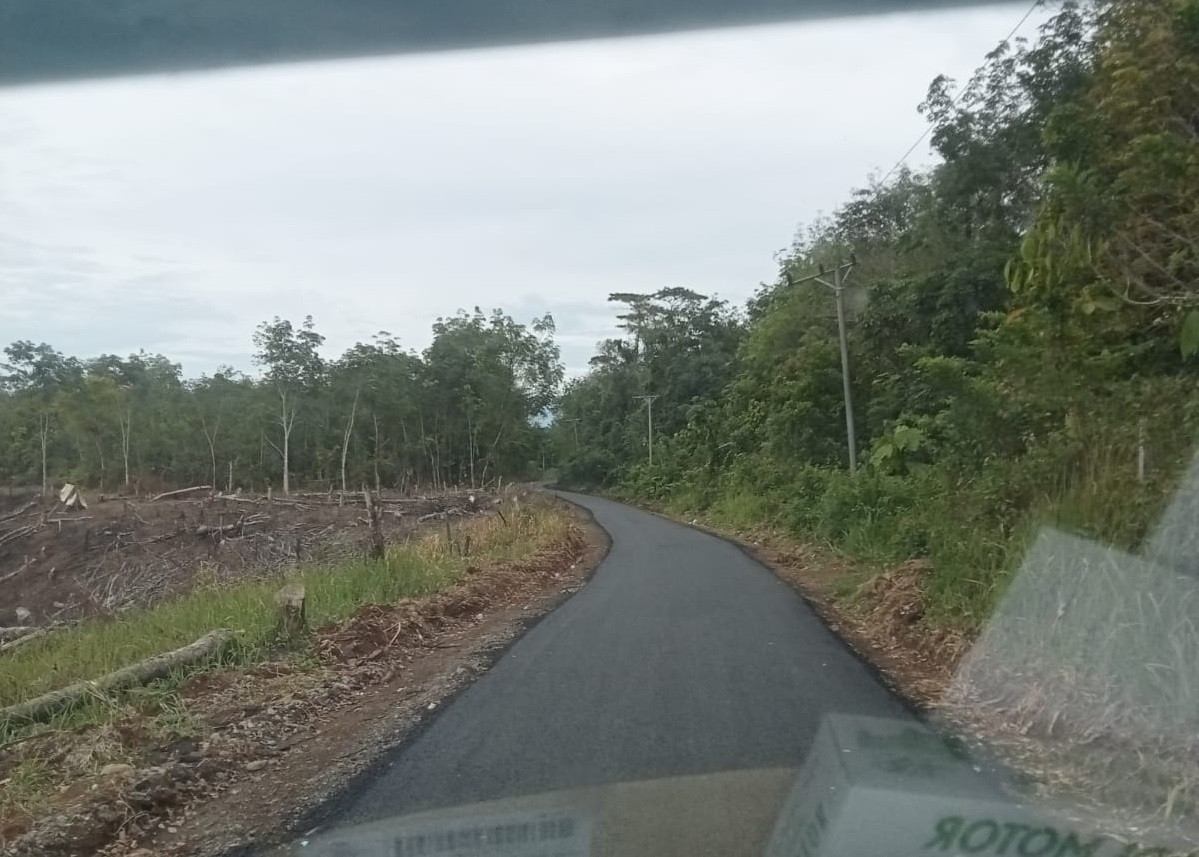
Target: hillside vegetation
[{"x": 1023, "y": 321}]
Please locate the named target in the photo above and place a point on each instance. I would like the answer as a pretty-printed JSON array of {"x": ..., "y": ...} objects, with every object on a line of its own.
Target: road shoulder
[{"x": 286, "y": 746}]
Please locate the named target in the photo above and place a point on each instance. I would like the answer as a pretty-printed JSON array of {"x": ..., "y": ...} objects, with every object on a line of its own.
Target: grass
[
  {"x": 26, "y": 786},
  {"x": 1095, "y": 638},
  {"x": 743, "y": 509},
  {"x": 420, "y": 566},
  {"x": 1065, "y": 563}
]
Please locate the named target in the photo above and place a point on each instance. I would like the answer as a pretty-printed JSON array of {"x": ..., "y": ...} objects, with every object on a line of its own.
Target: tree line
[
  {"x": 1023, "y": 327},
  {"x": 465, "y": 411}
]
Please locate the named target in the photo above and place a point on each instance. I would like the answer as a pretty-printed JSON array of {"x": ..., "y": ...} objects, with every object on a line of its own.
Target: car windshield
[{"x": 591, "y": 428}]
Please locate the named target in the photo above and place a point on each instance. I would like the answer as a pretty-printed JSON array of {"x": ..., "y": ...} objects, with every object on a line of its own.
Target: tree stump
[
  {"x": 292, "y": 621},
  {"x": 375, "y": 515}
]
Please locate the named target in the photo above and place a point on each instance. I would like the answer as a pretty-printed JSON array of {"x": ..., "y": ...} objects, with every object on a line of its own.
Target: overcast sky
[{"x": 175, "y": 213}]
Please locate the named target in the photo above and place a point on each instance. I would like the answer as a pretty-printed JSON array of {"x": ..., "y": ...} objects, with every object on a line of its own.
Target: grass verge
[
  {"x": 426, "y": 563},
  {"x": 1082, "y": 673}
]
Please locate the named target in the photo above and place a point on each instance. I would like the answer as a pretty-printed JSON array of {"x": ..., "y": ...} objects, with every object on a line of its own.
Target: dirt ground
[
  {"x": 68, "y": 564},
  {"x": 262, "y": 748}
]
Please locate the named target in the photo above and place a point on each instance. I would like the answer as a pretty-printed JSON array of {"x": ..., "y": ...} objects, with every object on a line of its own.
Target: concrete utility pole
[
  {"x": 840, "y": 273},
  {"x": 649, "y": 413}
]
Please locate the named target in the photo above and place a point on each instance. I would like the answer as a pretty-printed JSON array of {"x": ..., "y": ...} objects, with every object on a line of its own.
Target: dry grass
[
  {"x": 427, "y": 562},
  {"x": 1091, "y": 642},
  {"x": 1087, "y": 677},
  {"x": 36, "y": 761}
]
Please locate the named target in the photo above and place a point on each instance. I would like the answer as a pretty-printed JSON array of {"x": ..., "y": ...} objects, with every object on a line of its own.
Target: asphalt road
[{"x": 681, "y": 656}]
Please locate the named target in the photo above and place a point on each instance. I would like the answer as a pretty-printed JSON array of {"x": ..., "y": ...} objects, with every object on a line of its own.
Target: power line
[{"x": 953, "y": 101}]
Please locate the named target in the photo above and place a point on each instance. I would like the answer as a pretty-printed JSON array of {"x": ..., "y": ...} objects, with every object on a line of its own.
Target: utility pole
[
  {"x": 574, "y": 420},
  {"x": 649, "y": 413},
  {"x": 837, "y": 286}
]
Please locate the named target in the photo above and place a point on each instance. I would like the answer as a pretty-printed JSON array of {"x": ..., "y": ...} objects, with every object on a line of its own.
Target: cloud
[{"x": 175, "y": 213}]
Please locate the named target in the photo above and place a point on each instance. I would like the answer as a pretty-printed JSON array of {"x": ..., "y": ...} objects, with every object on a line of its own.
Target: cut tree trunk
[
  {"x": 160, "y": 666},
  {"x": 292, "y": 620},
  {"x": 375, "y": 515},
  {"x": 35, "y": 634},
  {"x": 179, "y": 491},
  {"x": 18, "y": 512},
  {"x": 16, "y": 631}
]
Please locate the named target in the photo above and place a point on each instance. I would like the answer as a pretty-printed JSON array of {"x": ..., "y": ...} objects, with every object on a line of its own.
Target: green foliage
[
  {"x": 1115, "y": 231},
  {"x": 891, "y": 452},
  {"x": 464, "y": 412},
  {"x": 415, "y": 568},
  {"x": 680, "y": 346},
  {"x": 1189, "y": 337},
  {"x": 1015, "y": 318}
]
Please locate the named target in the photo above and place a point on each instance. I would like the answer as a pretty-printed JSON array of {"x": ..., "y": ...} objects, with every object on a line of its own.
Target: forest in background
[
  {"x": 1023, "y": 328},
  {"x": 465, "y": 412}
]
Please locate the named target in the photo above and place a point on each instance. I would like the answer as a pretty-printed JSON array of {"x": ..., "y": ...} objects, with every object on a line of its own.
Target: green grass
[
  {"x": 93, "y": 649},
  {"x": 26, "y": 786},
  {"x": 415, "y": 568},
  {"x": 742, "y": 509}
]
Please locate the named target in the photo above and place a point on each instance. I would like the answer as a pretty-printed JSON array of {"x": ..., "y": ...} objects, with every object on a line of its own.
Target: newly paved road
[{"x": 680, "y": 656}]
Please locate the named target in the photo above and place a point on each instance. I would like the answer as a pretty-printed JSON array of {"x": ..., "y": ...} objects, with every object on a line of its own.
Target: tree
[
  {"x": 36, "y": 374},
  {"x": 680, "y": 346},
  {"x": 293, "y": 368},
  {"x": 218, "y": 401},
  {"x": 486, "y": 378},
  {"x": 1117, "y": 234}
]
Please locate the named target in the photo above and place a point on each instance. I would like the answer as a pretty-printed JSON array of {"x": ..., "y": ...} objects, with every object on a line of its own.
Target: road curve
[{"x": 681, "y": 656}]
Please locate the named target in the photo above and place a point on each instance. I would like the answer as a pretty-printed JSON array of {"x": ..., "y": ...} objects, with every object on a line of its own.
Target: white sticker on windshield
[{"x": 558, "y": 833}]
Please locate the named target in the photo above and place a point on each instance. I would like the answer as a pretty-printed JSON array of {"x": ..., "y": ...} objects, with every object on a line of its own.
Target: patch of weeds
[
  {"x": 170, "y": 718},
  {"x": 845, "y": 587},
  {"x": 423, "y": 565},
  {"x": 305, "y": 659},
  {"x": 743, "y": 509},
  {"x": 26, "y": 786}
]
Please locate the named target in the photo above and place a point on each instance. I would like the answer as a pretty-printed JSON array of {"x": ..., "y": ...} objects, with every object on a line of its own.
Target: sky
[{"x": 174, "y": 213}]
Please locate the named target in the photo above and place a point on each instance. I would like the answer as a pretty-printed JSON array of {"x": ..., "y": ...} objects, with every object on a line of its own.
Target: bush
[
  {"x": 802, "y": 511},
  {"x": 873, "y": 515},
  {"x": 972, "y": 514},
  {"x": 588, "y": 469}
]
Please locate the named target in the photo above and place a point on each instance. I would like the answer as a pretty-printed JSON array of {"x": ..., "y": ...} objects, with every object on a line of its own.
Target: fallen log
[
  {"x": 19, "y": 512},
  {"x": 18, "y": 533},
  {"x": 35, "y": 634},
  {"x": 16, "y": 631},
  {"x": 207, "y": 530},
  {"x": 261, "y": 501},
  {"x": 179, "y": 491},
  {"x": 212, "y": 530},
  {"x": 15, "y": 572},
  {"x": 48, "y": 704}
]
